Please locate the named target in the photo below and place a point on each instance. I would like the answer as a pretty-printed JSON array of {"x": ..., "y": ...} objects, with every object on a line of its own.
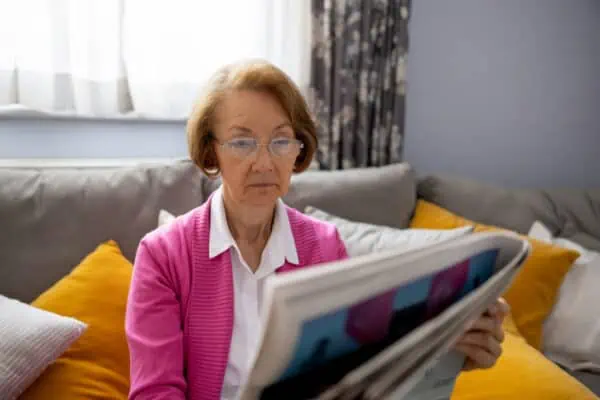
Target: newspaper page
[
  {"x": 396, "y": 366},
  {"x": 420, "y": 373},
  {"x": 317, "y": 351}
]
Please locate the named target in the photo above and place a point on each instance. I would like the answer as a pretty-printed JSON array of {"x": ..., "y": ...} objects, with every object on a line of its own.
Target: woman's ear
[
  {"x": 298, "y": 163},
  {"x": 212, "y": 160}
]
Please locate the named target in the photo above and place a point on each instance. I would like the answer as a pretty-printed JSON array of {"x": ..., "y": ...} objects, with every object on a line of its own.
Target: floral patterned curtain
[{"x": 357, "y": 86}]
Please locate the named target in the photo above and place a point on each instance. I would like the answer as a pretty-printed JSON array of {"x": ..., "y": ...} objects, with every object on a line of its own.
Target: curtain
[
  {"x": 138, "y": 57},
  {"x": 357, "y": 80}
]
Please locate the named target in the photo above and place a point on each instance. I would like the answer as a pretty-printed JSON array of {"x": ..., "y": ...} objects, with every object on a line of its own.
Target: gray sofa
[{"x": 52, "y": 218}]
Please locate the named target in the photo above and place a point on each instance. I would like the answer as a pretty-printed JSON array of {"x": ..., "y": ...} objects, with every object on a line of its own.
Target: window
[{"x": 138, "y": 57}]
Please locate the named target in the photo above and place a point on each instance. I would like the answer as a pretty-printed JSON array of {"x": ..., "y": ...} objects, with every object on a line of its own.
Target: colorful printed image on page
[{"x": 331, "y": 345}]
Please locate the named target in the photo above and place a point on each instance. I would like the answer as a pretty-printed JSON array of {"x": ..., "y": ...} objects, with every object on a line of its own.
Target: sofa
[{"x": 53, "y": 219}]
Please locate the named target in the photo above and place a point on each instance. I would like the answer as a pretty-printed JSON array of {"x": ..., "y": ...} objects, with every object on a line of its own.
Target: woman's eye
[
  {"x": 281, "y": 142},
  {"x": 242, "y": 144}
]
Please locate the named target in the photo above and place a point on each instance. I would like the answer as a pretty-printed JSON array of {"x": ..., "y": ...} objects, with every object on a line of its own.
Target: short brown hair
[{"x": 249, "y": 75}]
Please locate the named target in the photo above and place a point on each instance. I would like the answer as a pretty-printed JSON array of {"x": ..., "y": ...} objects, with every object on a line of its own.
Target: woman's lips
[{"x": 262, "y": 185}]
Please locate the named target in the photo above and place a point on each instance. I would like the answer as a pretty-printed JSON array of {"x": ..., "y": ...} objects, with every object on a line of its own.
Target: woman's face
[{"x": 251, "y": 174}]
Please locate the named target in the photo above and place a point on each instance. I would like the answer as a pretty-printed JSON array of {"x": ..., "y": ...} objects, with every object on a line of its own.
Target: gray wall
[{"x": 505, "y": 90}]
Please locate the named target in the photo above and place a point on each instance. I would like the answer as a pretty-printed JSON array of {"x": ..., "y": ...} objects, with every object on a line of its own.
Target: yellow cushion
[
  {"x": 97, "y": 365},
  {"x": 521, "y": 372},
  {"x": 534, "y": 290}
]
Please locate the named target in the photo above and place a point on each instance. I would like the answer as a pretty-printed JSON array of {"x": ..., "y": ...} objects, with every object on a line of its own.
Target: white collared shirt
[{"x": 247, "y": 286}]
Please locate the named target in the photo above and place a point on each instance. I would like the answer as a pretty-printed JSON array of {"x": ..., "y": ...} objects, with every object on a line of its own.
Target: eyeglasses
[{"x": 247, "y": 147}]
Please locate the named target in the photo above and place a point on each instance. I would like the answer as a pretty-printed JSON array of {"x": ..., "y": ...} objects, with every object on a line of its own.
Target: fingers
[
  {"x": 489, "y": 326},
  {"x": 482, "y": 350},
  {"x": 499, "y": 310},
  {"x": 482, "y": 341},
  {"x": 504, "y": 306},
  {"x": 477, "y": 357}
]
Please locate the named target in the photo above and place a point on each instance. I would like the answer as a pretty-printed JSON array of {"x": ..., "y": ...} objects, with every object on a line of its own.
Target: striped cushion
[{"x": 31, "y": 340}]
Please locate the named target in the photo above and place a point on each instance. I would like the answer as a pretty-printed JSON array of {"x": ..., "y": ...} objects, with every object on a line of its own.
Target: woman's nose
[{"x": 263, "y": 159}]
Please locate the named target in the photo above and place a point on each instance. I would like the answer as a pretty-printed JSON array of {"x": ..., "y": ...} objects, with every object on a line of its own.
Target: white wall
[{"x": 64, "y": 138}]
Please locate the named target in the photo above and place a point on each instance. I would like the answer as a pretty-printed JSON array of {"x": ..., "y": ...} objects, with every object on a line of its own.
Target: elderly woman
[{"x": 192, "y": 318}]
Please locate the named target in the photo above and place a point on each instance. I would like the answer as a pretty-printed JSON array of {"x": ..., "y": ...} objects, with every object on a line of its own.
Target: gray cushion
[
  {"x": 584, "y": 239},
  {"x": 568, "y": 213},
  {"x": 381, "y": 196},
  {"x": 53, "y": 218},
  {"x": 580, "y": 212}
]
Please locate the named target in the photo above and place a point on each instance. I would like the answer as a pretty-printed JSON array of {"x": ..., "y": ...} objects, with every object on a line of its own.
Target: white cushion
[
  {"x": 571, "y": 334},
  {"x": 164, "y": 217},
  {"x": 30, "y": 340},
  {"x": 361, "y": 238}
]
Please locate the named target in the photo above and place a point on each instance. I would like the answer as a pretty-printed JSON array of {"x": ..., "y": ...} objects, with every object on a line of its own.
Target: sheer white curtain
[{"x": 148, "y": 58}]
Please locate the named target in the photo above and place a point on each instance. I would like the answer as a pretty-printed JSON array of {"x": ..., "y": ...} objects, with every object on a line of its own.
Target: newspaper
[{"x": 379, "y": 326}]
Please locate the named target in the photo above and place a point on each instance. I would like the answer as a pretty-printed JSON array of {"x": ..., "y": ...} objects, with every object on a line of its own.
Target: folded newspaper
[{"x": 380, "y": 326}]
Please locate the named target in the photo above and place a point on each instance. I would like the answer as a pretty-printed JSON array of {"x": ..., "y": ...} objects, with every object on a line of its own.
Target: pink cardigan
[{"x": 179, "y": 317}]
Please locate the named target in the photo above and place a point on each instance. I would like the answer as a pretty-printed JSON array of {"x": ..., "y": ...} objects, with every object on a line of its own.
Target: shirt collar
[
  {"x": 281, "y": 245},
  {"x": 220, "y": 238}
]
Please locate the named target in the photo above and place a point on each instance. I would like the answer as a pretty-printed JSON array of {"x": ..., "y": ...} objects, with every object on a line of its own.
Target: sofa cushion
[
  {"x": 521, "y": 372},
  {"x": 375, "y": 195},
  {"x": 361, "y": 238},
  {"x": 589, "y": 379},
  {"x": 572, "y": 332},
  {"x": 97, "y": 365},
  {"x": 31, "y": 340},
  {"x": 534, "y": 290},
  {"x": 53, "y": 218},
  {"x": 580, "y": 211},
  {"x": 573, "y": 213}
]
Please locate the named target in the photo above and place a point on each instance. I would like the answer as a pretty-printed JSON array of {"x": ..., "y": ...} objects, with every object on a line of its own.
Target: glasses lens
[
  {"x": 242, "y": 147},
  {"x": 284, "y": 146}
]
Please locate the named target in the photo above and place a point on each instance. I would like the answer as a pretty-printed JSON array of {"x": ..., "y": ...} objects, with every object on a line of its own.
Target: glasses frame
[{"x": 255, "y": 151}]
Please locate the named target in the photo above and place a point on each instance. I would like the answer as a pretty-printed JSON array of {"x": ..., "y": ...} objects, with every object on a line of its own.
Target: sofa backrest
[
  {"x": 382, "y": 196},
  {"x": 569, "y": 213},
  {"x": 50, "y": 219}
]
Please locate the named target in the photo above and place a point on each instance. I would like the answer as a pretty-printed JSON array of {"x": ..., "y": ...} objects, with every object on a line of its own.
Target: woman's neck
[{"x": 248, "y": 224}]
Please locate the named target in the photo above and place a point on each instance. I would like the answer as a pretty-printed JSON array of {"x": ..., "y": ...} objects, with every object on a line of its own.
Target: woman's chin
[{"x": 260, "y": 195}]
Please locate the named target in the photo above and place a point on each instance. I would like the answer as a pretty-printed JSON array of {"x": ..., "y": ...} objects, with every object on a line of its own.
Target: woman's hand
[{"x": 482, "y": 342}]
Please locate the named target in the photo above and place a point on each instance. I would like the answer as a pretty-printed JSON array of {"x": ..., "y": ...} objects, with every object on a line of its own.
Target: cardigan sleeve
[{"x": 153, "y": 326}]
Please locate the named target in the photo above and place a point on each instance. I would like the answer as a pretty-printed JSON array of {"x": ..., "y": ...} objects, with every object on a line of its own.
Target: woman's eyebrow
[
  {"x": 240, "y": 128},
  {"x": 283, "y": 125}
]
